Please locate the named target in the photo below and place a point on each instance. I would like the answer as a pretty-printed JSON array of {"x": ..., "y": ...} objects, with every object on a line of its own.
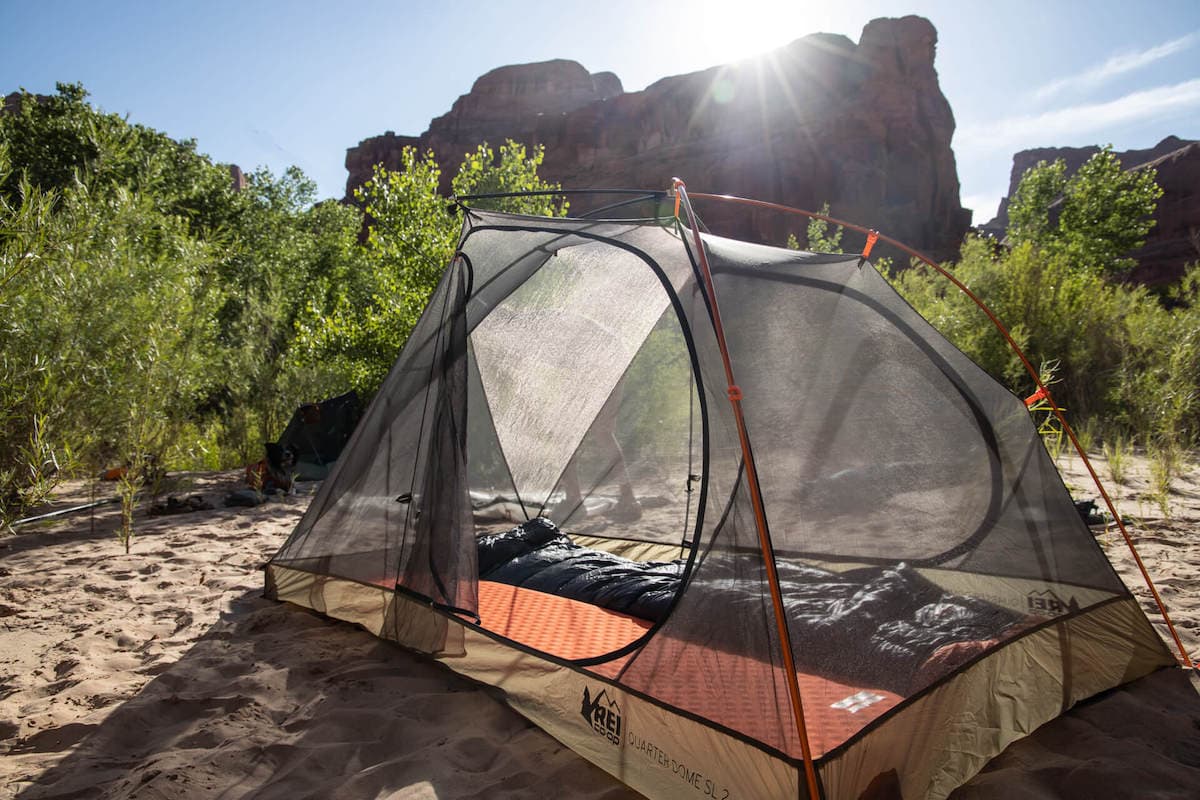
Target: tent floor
[{"x": 569, "y": 629}]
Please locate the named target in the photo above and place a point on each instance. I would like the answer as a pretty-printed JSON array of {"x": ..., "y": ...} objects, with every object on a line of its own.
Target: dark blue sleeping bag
[{"x": 536, "y": 555}]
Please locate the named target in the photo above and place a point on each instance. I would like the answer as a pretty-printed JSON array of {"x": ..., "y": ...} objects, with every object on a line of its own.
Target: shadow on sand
[{"x": 277, "y": 702}]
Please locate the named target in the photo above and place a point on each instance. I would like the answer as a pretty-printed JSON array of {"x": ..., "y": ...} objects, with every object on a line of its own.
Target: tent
[
  {"x": 778, "y": 537},
  {"x": 316, "y": 434}
]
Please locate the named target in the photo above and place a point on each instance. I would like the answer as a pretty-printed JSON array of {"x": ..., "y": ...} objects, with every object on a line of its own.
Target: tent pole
[
  {"x": 1033, "y": 373},
  {"x": 760, "y": 518}
]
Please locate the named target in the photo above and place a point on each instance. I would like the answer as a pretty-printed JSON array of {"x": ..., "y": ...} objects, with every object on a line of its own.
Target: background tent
[
  {"x": 940, "y": 594},
  {"x": 317, "y": 432}
]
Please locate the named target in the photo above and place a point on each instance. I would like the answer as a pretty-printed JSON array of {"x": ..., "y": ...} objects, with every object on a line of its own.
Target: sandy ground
[{"x": 165, "y": 674}]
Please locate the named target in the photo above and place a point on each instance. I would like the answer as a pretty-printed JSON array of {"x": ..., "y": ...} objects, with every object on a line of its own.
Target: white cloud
[
  {"x": 1065, "y": 125},
  {"x": 1116, "y": 66}
]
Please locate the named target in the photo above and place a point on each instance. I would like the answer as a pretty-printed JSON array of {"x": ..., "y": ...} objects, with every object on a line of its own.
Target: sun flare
[{"x": 732, "y": 31}]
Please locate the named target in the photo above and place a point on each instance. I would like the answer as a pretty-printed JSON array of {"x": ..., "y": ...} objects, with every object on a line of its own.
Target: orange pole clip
[
  {"x": 1040, "y": 394},
  {"x": 872, "y": 238},
  {"x": 735, "y": 393},
  {"x": 675, "y": 184}
]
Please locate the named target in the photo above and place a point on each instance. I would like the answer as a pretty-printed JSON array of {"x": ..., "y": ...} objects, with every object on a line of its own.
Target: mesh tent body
[{"x": 941, "y": 594}]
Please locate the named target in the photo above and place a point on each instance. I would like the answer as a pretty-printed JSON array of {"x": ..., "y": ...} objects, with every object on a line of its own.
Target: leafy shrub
[
  {"x": 151, "y": 309},
  {"x": 359, "y": 317},
  {"x": 1124, "y": 358}
]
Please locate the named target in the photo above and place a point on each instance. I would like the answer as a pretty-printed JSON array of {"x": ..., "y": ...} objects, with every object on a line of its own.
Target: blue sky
[{"x": 277, "y": 83}]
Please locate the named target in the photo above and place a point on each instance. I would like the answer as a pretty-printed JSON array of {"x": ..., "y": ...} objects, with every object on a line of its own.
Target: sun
[{"x": 739, "y": 29}]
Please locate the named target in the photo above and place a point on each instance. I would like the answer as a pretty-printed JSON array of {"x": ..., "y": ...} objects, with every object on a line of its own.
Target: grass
[
  {"x": 1117, "y": 454},
  {"x": 1165, "y": 461},
  {"x": 1086, "y": 434}
]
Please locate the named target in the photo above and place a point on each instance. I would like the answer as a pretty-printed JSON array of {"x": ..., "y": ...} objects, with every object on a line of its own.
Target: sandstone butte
[{"x": 864, "y": 127}]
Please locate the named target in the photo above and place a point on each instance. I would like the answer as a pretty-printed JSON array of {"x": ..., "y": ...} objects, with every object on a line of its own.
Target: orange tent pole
[
  {"x": 760, "y": 517},
  {"x": 871, "y": 234}
]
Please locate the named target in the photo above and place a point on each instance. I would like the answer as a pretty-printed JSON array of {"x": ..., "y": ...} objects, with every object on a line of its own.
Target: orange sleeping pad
[
  {"x": 569, "y": 629},
  {"x": 555, "y": 625}
]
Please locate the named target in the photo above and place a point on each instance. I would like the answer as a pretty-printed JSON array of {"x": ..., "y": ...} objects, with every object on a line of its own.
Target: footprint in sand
[
  {"x": 51, "y": 689},
  {"x": 183, "y": 619},
  {"x": 474, "y": 754}
]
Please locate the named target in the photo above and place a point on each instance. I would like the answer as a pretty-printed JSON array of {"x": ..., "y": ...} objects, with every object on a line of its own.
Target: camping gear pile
[
  {"x": 861, "y": 572},
  {"x": 307, "y": 449}
]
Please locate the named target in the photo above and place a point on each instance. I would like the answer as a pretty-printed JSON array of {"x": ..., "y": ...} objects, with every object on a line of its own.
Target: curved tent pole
[
  {"x": 458, "y": 200},
  {"x": 1033, "y": 373},
  {"x": 756, "y": 502}
]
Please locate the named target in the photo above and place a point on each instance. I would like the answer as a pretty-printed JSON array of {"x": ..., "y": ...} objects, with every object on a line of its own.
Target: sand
[{"x": 165, "y": 674}]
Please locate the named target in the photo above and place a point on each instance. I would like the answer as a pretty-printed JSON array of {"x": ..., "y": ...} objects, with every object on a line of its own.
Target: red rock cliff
[
  {"x": 862, "y": 126},
  {"x": 1174, "y": 241},
  {"x": 385, "y": 150}
]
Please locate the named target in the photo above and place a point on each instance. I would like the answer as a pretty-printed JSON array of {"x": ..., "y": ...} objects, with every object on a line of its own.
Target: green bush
[
  {"x": 1093, "y": 218},
  {"x": 156, "y": 314},
  {"x": 1125, "y": 360},
  {"x": 358, "y": 318}
]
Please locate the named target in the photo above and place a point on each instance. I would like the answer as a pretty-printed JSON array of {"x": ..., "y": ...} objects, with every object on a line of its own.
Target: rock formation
[
  {"x": 1175, "y": 239},
  {"x": 521, "y": 99},
  {"x": 237, "y": 178},
  {"x": 12, "y": 103},
  {"x": 385, "y": 150},
  {"x": 863, "y": 127}
]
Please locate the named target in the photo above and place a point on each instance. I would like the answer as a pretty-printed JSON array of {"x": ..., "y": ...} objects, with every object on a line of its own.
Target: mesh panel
[
  {"x": 718, "y": 654},
  {"x": 566, "y": 336},
  {"x": 886, "y": 443},
  {"x": 382, "y": 516},
  {"x": 490, "y": 478},
  {"x": 554, "y": 315},
  {"x": 634, "y": 476}
]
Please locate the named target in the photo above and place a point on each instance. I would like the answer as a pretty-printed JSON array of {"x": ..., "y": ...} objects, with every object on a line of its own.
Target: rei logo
[
  {"x": 602, "y": 715},
  {"x": 1046, "y": 603}
]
